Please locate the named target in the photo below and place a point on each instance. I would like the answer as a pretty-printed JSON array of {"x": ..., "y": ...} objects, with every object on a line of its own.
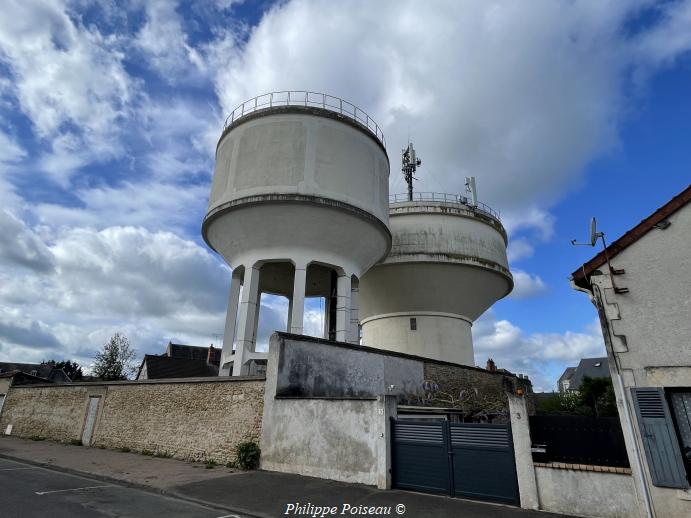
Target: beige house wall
[
  {"x": 647, "y": 333},
  {"x": 191, "y": 419}
]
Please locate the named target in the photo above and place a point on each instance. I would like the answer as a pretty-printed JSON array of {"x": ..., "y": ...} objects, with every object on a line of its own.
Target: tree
[
  {"x": 597, "y": 396},
  {"x": 72, "y": 369},
  {"x": 116, "y": 360}
]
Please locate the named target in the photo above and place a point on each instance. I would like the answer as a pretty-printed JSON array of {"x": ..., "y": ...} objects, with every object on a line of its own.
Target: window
[
  {"x": 681, "y": 415},
  {"x": 413, "y": 324}
]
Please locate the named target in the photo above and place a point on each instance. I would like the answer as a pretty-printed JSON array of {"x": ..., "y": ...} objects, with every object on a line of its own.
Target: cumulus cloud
[
  {"x": 543, "y": 356},
  {"x": 69, "y": 81},
  {"x": 526, "y": 285},
  {"x": 153, "y": 286},
  {"x": 20, "y": 246}
]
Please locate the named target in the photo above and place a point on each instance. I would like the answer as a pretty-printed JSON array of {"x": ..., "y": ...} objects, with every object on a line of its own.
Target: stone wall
[
  {"x": 473, "y": 389},
  {"x": 55, "y": 412},
  {"x": 191, "y": 419}
]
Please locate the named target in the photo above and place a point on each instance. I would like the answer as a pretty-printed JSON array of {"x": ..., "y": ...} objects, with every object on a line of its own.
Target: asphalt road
[{"x": 28, "y": 491}]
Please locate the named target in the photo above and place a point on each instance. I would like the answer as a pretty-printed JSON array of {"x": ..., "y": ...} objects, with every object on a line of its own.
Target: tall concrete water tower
[
  {"x": 299, "y": 208},
  {"x": 446, "y": 267}
]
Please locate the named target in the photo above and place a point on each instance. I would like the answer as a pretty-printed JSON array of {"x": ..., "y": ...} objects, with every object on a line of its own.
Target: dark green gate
[{"x": 461, "y": 459}]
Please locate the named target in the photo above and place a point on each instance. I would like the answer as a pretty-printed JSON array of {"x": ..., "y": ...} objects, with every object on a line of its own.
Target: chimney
[
  {"x": 491, "y": 366},
  {"x": 210, "y": 355}
]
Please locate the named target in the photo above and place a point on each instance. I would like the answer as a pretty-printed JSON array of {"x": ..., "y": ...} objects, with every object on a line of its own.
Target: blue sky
[{"x": 110, "y": 111}]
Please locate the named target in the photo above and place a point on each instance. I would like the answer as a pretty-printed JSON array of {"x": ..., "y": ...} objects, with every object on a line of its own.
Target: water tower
[
  {"x": 298, "y": 208},
  {"x": 446, "y": 267}
]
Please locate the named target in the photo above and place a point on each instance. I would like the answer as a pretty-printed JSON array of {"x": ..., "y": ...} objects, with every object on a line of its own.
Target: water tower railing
[
  {"x": 446, "y": 198},
  {"x": 304, "y": 98}
]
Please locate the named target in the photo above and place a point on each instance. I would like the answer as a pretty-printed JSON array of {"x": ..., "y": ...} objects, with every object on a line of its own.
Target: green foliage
[
  {"x": 248, "y": 454},
  {"x": 116, "y": 360},
  {"x": 37, "y": 438},
  {"x": 75, "y": 442},
  {"x": 148, "y": 453},
  {"x": 595, "y": 397},
  {"x": 72, "y": 369},
  {"x": 210, "y": 464}
]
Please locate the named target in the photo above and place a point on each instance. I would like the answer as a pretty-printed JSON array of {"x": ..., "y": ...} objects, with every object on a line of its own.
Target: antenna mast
[{"x": 410, "y": 163}]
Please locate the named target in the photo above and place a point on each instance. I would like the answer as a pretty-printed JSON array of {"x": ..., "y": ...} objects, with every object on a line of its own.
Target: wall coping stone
[
  {"x": 162, "y": 381},
  {"x": 583, "y": 467},
  {"x": 384, "y": 352}
]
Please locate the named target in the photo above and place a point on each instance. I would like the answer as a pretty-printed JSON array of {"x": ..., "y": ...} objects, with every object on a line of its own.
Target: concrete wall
[
  {"x": 335, "y": 424},
  {"x": 586, "y": 493},
  {"x": 193, "y": 419},
  {"x": 315, "y": 368},
  {"x": 647, "y": 337}
]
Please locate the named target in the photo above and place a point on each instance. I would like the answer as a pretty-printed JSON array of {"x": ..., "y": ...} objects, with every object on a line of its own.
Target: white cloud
[
  {"x": 518, "y": 249},
  {"x": 153, "y": 286},
  {"x": 164, "y": 42},
  {"x": 526, "y": 285},
  {"x": 543, "y": 356},
  {"x": 20, "y": 246}
]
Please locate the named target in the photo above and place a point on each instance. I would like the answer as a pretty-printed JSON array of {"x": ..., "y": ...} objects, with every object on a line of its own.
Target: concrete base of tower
[{"x": 441, "y": 336}]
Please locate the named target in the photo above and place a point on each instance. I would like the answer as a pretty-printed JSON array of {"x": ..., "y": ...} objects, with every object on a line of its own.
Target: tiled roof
[
  {"x": 158, "y": 367},
  {"x": 192, "y": 352},
  {"x": 591, "y": 367}
]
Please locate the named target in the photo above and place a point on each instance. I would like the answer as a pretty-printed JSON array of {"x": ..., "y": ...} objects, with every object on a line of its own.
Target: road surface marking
[
  {"x": 75, "y": 489},
  {"x": 229, "y": 516}
]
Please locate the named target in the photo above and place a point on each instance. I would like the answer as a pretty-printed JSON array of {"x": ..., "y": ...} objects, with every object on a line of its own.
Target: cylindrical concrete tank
[
  {"x": 300, "y": 184},
  {"x": 446, "y": 267}
]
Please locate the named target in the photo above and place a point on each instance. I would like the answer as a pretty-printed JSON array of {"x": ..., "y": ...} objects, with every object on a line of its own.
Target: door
[
  {"x": 460, "y": 459},
  {"x": 90, "y": 420}
]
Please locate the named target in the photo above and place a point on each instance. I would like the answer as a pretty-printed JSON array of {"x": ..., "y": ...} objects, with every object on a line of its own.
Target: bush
[
  {"x": 247, "y": 455},
  {"x": 76, "y": 442},
  {"x": 148, "y": 453}
]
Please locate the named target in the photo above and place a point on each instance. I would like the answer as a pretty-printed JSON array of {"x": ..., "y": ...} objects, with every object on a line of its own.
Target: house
[
  {"x": 14, "y": 374},
  {"x": 641, "y": 287},
  {"x": 181, "y": 361},
  {"x": 47, "y": 372},
  {"x": 564, "y": 382},
  {"x": 571, "y": 379}
]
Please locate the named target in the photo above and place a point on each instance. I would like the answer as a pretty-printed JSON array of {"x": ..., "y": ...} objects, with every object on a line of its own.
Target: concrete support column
[
  {"x": 343, "y": 308},
  {"x": 247, "y": 320},
  {"x": 327, "y": 311},
  {"x": 231, "y": 319},
  {"x": 522, "y": 446},
  {"x": 297, "y": 303},
  {"x": 354, "y": 337}
]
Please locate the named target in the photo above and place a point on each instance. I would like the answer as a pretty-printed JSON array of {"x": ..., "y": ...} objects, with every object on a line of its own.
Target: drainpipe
[{"x": 598, "y": 301}]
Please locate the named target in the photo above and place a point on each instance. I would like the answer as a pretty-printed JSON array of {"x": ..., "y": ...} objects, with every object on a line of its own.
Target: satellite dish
[{"x": 593, "y": 231}]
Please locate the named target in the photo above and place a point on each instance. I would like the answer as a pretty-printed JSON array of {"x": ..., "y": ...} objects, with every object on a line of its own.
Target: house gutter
[{"x": 598, "y": 301}]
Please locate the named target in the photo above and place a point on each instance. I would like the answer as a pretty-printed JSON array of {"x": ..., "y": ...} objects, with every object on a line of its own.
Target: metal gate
[{"x": 462, "y": 459}]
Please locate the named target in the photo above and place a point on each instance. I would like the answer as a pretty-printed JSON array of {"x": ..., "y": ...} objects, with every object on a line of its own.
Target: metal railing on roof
[
  {"x": 446, "y": 198},
  {"x": 304, "y": 98}
]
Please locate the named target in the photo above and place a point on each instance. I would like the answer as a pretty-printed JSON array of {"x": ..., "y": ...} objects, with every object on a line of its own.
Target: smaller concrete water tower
[
  {"x": 446, "y": 267},
  {"x": 299, "y": 208}
]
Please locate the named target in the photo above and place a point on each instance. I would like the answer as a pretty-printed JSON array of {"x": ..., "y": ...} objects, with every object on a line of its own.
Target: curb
[{"x": 133, "y": 485}]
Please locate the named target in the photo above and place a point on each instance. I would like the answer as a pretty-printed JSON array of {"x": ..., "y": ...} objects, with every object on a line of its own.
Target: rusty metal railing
[
  {"x": 304, "y": 98},
  {"x": 446, "y": 198}
]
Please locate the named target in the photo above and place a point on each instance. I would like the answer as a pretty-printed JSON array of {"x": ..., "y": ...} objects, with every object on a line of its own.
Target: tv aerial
[
  {"x": 594, "y": 236},
  {"x": 409, "y": 164}
]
